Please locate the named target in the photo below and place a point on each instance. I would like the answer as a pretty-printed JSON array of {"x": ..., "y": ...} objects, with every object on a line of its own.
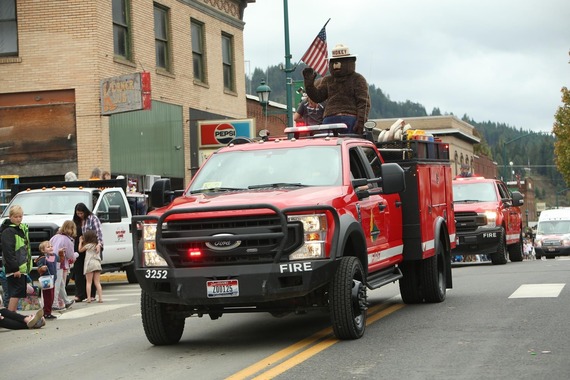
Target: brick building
[
  {"x": 274, "y": 118},
  {"x": 63, "y": 64}
]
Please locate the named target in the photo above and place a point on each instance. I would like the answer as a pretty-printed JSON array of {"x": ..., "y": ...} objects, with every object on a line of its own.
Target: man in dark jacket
[{"x": 16, "y": 255}]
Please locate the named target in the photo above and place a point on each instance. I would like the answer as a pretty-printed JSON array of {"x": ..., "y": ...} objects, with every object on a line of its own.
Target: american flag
[{"x": 316, "y": 55}]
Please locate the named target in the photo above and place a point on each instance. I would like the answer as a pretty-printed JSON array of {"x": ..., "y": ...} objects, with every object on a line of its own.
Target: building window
[
  {"x": 227, "y": 62},
  {"x": 162, "y": 43},
  {"x": 198, "y": 54},
  {"x": 8, "y": 28},
  {"x": 121, "y": 29}
]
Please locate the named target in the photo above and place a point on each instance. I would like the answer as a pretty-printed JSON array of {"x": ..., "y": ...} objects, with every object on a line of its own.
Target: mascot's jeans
[{"x": 346, "y": 119}]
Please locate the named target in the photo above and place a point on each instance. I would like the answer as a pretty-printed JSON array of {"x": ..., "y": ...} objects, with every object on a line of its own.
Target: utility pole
[{"x": 288, "y": 69}]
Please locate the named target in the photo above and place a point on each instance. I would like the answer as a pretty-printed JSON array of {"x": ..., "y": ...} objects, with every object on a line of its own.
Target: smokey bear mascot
[{"x": 345, "y": 91}]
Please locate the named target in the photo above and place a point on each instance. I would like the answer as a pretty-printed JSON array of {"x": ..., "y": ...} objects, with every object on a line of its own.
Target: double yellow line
[{"x": 297, "y": 353}]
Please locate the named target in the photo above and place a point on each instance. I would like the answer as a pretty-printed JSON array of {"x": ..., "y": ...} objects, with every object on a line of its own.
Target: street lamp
[
  {"x": 505, "y": 154},
  {"x": 263, "y": 92}
]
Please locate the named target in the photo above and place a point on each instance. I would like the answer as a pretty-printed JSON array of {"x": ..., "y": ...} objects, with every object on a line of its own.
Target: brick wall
[{"x": 69, "y": 45}]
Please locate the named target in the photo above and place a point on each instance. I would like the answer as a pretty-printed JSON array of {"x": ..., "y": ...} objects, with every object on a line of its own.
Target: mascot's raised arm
[{"x": 345, "y": 91}]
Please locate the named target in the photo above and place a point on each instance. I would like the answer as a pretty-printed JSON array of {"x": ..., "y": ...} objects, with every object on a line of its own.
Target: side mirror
[
  {"x": 518, "y": 199},
  {"x": 160, "y": 193},
  {"x": 393, "y": 178},
  {"x": 113, "y": 215}
]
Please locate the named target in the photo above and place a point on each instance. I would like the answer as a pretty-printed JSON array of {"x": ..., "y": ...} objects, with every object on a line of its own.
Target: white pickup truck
[{"x": 47, "y": 205}]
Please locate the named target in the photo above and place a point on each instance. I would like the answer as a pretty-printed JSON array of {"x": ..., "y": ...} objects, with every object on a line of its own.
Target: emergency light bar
[{"x": 316, "y": 128}]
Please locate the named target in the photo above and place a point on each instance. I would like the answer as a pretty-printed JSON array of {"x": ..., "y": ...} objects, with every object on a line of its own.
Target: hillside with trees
[{"x": 532, "y": 153}]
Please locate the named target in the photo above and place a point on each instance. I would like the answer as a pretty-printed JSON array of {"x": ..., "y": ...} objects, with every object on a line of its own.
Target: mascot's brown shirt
[{"x": 345, "y": 91}]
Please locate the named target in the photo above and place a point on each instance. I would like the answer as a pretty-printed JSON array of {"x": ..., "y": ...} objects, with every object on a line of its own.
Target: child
[
  {"x": 50, "y": 261},
  {"x": 92, "y": 267}
]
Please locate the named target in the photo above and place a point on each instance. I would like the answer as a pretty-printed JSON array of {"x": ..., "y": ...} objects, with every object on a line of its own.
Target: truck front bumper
[
  {"x": 483, "y": 241},
  {"x": 552, "y": 251},
  {"x": 250, "y": 284}
]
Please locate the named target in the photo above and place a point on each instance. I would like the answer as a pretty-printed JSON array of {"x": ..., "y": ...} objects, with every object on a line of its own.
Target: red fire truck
[
  {"x": 488, "y": 219},
  {"x": 294, "y": 224}
]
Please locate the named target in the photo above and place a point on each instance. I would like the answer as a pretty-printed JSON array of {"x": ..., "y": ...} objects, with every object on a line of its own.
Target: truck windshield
[
  {"x": 557, "y": 227},
  {"x": 49, "y": 203},
  {"x": 271, "y": 168},
  {"x": 474, "y": 192}
]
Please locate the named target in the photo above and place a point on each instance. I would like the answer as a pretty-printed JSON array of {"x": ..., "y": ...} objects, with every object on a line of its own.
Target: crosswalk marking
[
  {"x": 90, "y": 310},
  {"x": 113, "y": 298},
  {"x": 538, "y": 291}
]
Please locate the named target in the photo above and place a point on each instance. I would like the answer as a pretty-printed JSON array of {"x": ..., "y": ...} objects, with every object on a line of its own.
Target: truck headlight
[
  {"x": 315, "y": 234},
  {"x": 491, "y": 218},
  {"x": 150, "y": 256}
]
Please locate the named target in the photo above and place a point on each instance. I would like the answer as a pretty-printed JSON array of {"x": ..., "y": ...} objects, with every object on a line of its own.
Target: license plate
[
  {"x": 222, "y": 288},
  {"x": 551, "y": 249}
]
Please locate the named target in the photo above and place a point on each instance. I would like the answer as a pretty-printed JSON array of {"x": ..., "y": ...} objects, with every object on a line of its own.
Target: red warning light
[{"x": 194, "y": 253}]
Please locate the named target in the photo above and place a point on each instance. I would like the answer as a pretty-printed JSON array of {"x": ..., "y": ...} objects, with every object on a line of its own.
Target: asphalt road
[{"x": 499, "y": 322}]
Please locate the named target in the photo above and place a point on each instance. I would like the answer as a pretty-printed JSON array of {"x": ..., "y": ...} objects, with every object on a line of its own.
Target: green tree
[
  {"x": 561, "y": 130},
  {"x": 435, "y": 111}
]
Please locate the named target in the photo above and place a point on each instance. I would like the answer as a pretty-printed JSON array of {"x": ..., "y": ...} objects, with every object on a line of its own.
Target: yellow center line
[
  {"x": 319, "y": 341},
  {"x": 280, "y": 355}
]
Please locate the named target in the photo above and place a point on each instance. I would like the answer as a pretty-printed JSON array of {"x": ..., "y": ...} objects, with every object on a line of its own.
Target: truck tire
[
  {"x": 516, "y": 250},
  {"x": 131, "y": 276},
  {"x": 347, "y": 299},
  {"x": 160, "y": 328},
  {"x": 410, "y": 289},
  {"x": 433, "y": 276},
  {"x": 499, "y": 257}
]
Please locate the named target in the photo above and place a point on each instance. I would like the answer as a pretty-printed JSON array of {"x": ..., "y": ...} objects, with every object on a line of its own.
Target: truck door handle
[
  {"x": 381, "y": 207},
  {"x": 398, "y": 204}
]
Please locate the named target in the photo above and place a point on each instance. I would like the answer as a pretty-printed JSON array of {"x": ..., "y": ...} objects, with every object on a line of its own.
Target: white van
[{"x": 553, "y": 233}]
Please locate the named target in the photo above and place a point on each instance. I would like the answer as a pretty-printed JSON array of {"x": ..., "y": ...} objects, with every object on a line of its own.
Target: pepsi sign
[
  {"x": 224, "y": 133},
  {"x": 216, "y": 133}
]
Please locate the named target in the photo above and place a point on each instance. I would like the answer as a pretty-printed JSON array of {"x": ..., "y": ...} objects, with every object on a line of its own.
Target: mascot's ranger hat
[{"x": 341, "y": 51}]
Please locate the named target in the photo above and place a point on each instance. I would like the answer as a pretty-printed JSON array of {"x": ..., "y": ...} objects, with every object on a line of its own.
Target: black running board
[{"x": 384, "y": 277}]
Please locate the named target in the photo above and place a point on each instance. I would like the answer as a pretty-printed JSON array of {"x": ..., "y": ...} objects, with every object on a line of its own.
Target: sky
[{"x": 503, "y": 61}]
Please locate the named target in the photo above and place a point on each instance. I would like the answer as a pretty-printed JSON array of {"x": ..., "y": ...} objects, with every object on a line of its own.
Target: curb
[{"x": 114, "y": 276}]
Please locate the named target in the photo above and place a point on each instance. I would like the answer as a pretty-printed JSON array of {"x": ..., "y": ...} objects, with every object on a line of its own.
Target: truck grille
[
  {"x": 468, "y": 221},
  {"x": 260, "y": 239},
  {"x": 38, "y": 234}
]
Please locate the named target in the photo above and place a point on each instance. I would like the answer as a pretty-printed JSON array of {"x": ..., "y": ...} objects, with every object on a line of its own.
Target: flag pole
[{"x": 288, "y": 70}]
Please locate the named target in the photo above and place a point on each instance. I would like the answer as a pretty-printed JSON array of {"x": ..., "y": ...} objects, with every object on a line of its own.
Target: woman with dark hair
[{"x": 85, "y": 220}]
